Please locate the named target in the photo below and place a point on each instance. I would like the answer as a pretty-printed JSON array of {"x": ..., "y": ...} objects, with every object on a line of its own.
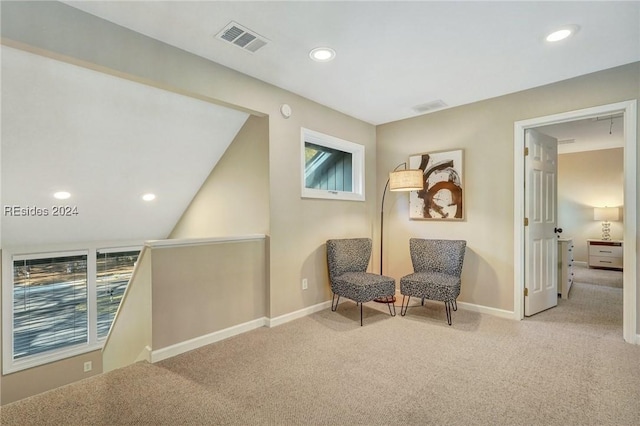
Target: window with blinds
[
  {"x": 114, "y": 271},
  {"x": 57, "y": 305},
  {"x": 49, "y": 304}
]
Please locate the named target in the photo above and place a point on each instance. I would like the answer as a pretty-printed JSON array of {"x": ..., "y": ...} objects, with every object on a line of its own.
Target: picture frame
[{"x": 443, "y": 195}]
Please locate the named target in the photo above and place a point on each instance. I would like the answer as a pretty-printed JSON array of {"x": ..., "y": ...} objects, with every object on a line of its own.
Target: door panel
[{"x": 541, "y": 250}]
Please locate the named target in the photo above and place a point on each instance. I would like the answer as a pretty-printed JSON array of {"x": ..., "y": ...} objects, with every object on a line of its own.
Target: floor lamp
[{"x": 399, "y": 180}]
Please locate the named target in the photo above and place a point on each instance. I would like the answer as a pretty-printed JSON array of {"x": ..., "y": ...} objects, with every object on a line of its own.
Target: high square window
[{"x": 332, "y": 168}]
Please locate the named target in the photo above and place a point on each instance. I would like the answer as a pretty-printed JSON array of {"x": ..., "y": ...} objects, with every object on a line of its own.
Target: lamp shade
[
  {"x": 406, "y": 180},
  {"x": 606, "y": 214}
]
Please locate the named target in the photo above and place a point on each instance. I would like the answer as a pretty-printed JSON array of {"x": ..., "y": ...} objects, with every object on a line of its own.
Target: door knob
[{"x": 557, "y": 230}]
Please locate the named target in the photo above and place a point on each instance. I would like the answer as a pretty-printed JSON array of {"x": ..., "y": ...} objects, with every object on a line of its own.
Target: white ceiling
[
  {"x": 591, "y": 134},
  {"x": 392, "y": 56},
  {"x": 105, "y": 140}
]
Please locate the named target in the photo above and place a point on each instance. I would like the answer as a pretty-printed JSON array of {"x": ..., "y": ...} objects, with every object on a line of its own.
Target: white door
[{"x": 541, "y": 243}]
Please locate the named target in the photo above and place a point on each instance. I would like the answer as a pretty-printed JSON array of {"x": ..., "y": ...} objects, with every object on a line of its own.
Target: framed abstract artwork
[{"x": 443, "y": 195}]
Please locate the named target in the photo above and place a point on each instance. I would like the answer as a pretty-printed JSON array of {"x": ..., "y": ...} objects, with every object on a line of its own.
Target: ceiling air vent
[
  {"x": 566, "y": 141},
  {"x": 242, "y": 37},
  {"x": 430, "y": 106}
]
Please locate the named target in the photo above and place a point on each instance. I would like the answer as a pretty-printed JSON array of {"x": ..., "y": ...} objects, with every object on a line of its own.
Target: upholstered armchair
[
  {"x": 348, "y": 260},
  {"x": 437, "y": 266}
]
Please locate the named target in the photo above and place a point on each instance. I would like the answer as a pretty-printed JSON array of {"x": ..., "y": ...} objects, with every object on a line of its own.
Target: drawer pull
[
  {"x": 606, "y": 251},
  {"x": 605, "y": 261}
]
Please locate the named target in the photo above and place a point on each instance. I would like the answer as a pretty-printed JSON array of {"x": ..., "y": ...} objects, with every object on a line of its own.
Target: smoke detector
[{"x": 242, "y": 37}]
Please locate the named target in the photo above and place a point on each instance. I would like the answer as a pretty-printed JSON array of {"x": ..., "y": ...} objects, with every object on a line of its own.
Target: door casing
[{"x": 630, "y": 290}]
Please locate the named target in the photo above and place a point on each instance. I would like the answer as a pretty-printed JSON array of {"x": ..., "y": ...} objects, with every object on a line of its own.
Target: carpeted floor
[
  {"x": 603, "y": 277},
  {"x": 565, "y": 366}
]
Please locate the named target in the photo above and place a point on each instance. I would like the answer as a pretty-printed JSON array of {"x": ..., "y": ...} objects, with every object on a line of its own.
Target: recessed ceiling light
[
  {"x": 562, "y": 33},
  {"x": 149, "y": 197},
  {"x": 62, "y": 195},
  {"x": 322, "y": 54}
]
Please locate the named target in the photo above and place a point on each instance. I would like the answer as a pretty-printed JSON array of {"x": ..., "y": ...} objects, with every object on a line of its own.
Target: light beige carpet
[
  {"x": 604, "y": 277},
  {"x": 565, "y": 366}
]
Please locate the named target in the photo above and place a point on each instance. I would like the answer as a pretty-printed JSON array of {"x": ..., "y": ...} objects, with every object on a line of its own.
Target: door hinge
[
  {"x": 526, "y": 292},
  {"x": 526, "y": 221},
  {"x": 526, "y": 151}
]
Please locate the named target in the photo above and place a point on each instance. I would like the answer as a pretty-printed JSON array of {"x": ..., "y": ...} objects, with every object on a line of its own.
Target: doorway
[{"x": 629, "y": 111}]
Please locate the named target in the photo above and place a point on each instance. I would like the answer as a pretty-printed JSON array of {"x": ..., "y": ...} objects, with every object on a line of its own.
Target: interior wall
[
  {"x": 586, "y": 180},
  {"x": 234, "y": 200},
  {"x": 206, "y": 288},
  {"x": 32, "y": 381},
  {"x": 485, "y": 131}
]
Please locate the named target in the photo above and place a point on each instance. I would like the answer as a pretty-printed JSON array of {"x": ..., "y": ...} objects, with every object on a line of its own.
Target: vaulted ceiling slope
[
  {"x": 105, "y": 140},
  {"x": 393, "y": 56}
]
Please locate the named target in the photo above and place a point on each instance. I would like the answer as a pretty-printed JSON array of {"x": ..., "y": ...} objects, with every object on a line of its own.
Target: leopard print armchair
[
  {"x": 348, "y": 260},
  {"x": 437, "y": 266}
]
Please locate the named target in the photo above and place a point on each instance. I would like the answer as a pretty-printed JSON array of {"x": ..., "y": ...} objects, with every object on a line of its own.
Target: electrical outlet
[
  {"x": 305, "y": 284},
  {"x": 88, "y": 366}
]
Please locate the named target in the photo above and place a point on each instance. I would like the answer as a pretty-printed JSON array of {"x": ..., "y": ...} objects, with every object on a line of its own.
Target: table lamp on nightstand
[{"x": 606, "y": 215}]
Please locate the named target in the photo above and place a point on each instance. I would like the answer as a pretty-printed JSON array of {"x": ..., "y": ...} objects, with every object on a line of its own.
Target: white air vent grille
[
  {"x": 566, "y": 141},
  {"x": 430, "y": 106},
  {"x": 242, "y": 37}
]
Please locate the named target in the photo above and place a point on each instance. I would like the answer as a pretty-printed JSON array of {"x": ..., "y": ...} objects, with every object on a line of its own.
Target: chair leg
[
  {"x": 334, "y": 306},
  {"x": 360, "y": 314},
  {"x": 403, "y": 307},
  {"x": 455, "y": 304},
  {"x": 390, "y": 304},
  {"x": 423, "y": 301},
  {"x": 447, "y": 309}
]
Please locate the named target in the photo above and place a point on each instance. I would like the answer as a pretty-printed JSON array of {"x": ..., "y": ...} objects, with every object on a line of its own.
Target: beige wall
[
  {"x": 35, "y": 380},
  {"x": 485, "y": 131},
  {"x": 130, "y": 333},
  {"x": 200, "y": 289},
  {"x": 234, "y": 200},
  {"x": 587, "y": 180}
]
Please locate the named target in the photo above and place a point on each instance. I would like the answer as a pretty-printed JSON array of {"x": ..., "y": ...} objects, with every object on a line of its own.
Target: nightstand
[{"x": 605, "y": 254}]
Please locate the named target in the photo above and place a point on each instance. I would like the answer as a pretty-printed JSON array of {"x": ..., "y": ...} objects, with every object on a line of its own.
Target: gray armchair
[
  {"x": 348, "y": 260},
  {"x": 437, "y": 266}
]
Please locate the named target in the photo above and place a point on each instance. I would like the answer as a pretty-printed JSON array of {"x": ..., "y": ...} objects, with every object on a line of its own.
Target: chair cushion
[
  {"x": 363, "y": 286},
  {"x": 431, "y": 285}
]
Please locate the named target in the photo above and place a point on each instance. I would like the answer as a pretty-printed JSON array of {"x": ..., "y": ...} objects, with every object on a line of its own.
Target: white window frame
[
  {"x": 9, "y": 365},
  {"x": 357, "y": 166}
]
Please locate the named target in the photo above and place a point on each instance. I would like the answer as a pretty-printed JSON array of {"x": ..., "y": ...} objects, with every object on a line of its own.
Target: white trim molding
[
  {"x": 207, "y": 339},
  {"x": 282, "y": 319},
  {"x": 198, "y": 342},
  {"x": 495, "y": 312},
  {"x": 630, "y": 286}
]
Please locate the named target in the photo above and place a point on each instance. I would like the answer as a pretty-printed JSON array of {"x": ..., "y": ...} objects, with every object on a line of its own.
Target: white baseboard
[
  {"x": 282, "y": 319},
  {"x": 487, "y": 310},
  {"x": 189, "y": 345}
]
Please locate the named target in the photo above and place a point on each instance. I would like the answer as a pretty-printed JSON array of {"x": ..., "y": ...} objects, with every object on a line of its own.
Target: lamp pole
[{"x": 384, "y": 193}]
